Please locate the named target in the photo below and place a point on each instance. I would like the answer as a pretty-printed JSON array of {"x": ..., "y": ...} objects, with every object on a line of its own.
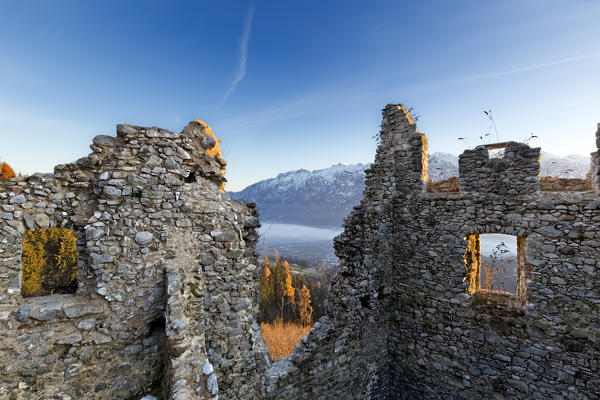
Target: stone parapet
[{"x": 516, "y": 172}]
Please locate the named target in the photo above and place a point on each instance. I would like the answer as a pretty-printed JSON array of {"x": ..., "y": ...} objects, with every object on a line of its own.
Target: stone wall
[
  {"x": 516, "y": 172},
  {"x": 345, "y": 356},
  {"x": 595, "y": 164},
  {"x": 131, "y": 203},
  {"x": 445, "y": 342},
  {"x": 168, "y": 281}
]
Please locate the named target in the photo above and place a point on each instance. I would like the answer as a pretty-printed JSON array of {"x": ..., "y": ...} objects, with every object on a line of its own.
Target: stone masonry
[
  {"x": 135, "y": 203},
  {"x": 168, "y": 281},
  {"x": 541, "y": 343}
]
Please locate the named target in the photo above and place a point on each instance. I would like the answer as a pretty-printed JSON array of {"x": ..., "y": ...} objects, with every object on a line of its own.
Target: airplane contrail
[{"x": 241, "y": 71}]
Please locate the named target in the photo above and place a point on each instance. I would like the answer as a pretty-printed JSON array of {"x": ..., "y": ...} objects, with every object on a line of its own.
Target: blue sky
[{"x": 295, "y": 85}]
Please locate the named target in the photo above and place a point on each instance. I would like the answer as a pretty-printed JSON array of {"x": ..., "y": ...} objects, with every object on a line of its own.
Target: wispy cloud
[
  {"x": 313, "y": 102},
  {"x": 241, "y": 71},
  {"x": 474, "y": 78},
  {"x": 306, "y": 103}
]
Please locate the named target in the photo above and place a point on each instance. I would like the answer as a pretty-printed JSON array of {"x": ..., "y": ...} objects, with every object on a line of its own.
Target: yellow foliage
[
  {"x": 281, "y": 338},
  {"x": 214, "y": 151},
  {"x": 49, "y": 261},
  {"x": 472, "y": 258},
  {"x": 289, "y": 289},
  {"x": 286, "y": 267},
  {"x": 33, "y": 263},
  {"x": 6, "y": 172},
  {"x": 304, "y": 306}
]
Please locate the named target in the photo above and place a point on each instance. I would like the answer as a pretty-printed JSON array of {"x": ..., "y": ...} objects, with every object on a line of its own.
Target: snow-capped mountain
[
  {"x": 442, "y": 166},
  {"x": 315, "y": 198},
  {"x": 571, "y": 166},
  {"x": 324, "y": 197}
]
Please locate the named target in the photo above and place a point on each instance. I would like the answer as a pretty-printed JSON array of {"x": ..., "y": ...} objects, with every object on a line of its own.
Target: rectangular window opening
[
  {"x": 49, "y": 262},
  {"x": 496, "y": 150},
  {"x": 498, "y": 263},
  {"x": 495, "y": 264}
]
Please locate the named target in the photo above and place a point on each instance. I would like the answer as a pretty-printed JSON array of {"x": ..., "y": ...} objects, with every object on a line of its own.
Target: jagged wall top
[{"x": 401, "y": 157}]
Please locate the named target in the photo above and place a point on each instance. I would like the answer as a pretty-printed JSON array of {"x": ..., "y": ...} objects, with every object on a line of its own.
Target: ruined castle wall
[
  {"x": 346, "y": 354},
  {"x": 123, "y": 201},
  {"x": 540, "y": 343},
  {"x": 168, "y": 281},
  {"x": 214, "y": 341},
  {"x": 595, "y": 164}
]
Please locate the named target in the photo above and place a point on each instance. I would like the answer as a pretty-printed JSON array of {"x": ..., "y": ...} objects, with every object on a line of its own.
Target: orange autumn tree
[
  {"x": 6, "y": 172},
  {"x": 266, "y": 288},
  {"x": 277, "y": 290},
  {"x": 280, "y": 291},
  {"x": 304, "y": 307},
  {"x": 293, "y": 297},
  {"x": 49, "y": 262},
  {"x": 288, "y": 289},
  {"x": 286, "y": 305}
]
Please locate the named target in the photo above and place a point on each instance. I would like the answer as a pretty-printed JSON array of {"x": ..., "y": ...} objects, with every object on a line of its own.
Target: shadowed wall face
[{"x": 451, "y": 338}]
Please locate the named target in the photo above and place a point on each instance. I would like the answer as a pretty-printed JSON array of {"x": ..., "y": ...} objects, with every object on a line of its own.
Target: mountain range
[
  {"x": 320, "y": 198},
  {"x": 323, "y": 198}
]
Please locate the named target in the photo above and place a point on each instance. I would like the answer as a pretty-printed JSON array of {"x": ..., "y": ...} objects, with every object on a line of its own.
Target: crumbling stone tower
[{"x": 166, "y": 274}]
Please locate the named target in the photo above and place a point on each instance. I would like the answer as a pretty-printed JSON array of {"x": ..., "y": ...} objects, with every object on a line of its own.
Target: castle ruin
[{"x": 168, "y": 280}]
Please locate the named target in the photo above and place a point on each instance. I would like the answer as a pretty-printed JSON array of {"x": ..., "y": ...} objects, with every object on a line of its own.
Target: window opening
[
  {"x": 49, "y": 262},
  {"x": 494, "y": 263},
  {"x": 286, "y": 306},
  {"x": 496, "y": 150}
]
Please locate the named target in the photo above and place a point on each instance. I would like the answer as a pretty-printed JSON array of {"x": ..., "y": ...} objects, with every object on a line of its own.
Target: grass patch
[{"x": 281, "y": 338}]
